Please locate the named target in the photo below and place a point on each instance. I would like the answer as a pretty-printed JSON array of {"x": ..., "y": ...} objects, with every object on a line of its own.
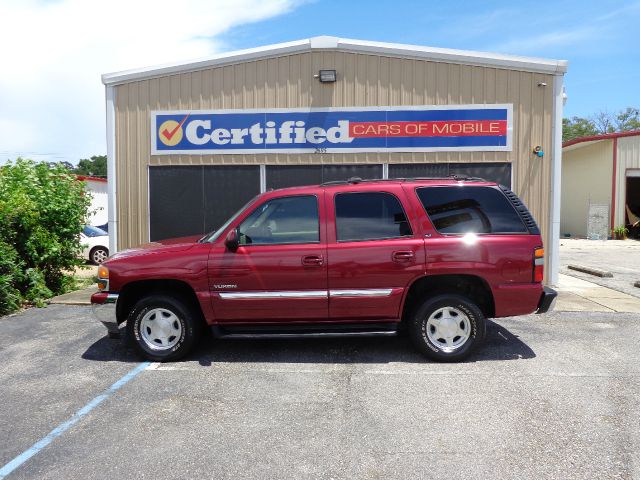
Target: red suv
[{"x": 361, "y": 257}]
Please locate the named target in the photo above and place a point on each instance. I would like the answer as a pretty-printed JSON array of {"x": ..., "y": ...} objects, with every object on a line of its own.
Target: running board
[{"x": 305, "y": 331}]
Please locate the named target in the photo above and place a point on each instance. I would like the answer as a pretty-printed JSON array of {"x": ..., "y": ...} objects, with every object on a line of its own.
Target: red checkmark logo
[{"x": 169, "y": 134}]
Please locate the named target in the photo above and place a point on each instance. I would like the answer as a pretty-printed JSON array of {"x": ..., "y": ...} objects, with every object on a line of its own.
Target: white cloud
[{"x": 51, "y": 97}]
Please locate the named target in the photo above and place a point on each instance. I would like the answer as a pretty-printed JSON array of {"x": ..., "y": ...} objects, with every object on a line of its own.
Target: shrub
[
  {"x": 42, "y": 211},
  {"x": 10, "y": 275}
]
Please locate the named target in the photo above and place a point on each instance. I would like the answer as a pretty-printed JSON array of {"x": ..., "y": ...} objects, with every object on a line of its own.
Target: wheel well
[
  {"x": 98, "y": 247},
  {"x": 474, "y": 288},
  {"x": 134, "y": 291}
]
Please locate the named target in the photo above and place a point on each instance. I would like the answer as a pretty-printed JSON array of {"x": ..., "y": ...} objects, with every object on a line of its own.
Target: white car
[{"x": 96, "y": 244}]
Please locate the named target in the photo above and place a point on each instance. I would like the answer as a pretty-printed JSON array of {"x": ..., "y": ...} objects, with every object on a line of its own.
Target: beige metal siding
[
  {"x": 363, "y": 80},
  {"x": 628, "y": 157},
  {"x": 586, "y": 178}
]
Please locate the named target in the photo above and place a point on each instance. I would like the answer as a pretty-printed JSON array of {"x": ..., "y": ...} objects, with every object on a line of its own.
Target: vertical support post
[
  {"x": 111, "y": 169},
  {"x": 263, "y": 178},
  {"x": 614, "y": 179},
  {"x": 556, "y": 176}
]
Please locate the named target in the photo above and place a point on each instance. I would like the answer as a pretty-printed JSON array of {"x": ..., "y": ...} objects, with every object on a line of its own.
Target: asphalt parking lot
[{"x": 550, "y": 396}]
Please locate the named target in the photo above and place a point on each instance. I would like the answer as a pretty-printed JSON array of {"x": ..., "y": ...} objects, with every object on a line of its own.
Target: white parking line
[{"x": 63, "y": 427}]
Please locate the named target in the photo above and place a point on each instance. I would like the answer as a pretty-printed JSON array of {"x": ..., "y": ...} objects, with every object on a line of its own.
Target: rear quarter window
[{"x": 470, "y": 209}]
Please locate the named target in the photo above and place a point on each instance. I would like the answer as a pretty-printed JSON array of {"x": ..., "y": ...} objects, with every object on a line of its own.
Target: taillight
[{"x": 538, "y": 264}]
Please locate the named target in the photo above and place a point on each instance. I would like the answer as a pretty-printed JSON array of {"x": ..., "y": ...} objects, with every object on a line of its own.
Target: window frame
[
  {"x": 335, "y": 217},
  {"x": 319, "y": 241},
  {"x": 495, "y": 188}
]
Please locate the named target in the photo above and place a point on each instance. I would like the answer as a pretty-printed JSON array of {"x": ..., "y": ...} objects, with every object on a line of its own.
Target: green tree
[
  {"x": 600, "y": 123},
  {"x": 628, "y": 119},
  {"x": 96, "y": 166},
  {"x": 42, "y": 212},
  {"x": 577, "y": 127}
]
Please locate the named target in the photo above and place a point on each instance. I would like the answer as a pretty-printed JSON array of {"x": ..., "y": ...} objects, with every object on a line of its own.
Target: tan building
[
  {"x": 189, "y": 144},
  {"x": 600, "y": 171}
]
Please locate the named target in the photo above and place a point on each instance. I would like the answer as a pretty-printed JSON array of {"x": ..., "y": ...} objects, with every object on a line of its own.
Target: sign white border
[{"x": 262, "y": 151}]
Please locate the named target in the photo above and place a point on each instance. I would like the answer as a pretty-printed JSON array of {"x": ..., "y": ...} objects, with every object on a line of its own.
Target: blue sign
[{"x": 377, "y": 129}]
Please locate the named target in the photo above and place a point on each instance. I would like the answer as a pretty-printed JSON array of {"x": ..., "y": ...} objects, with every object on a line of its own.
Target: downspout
[
  {"x": 111, "y": 169},
  {"x": 556, "y": 175}
]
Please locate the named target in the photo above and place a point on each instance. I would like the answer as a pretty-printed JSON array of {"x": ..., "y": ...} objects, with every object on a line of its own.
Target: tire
[
  {"x": 163, "y": 327},
  {"x": 464, "y": 328},
  {"x": 98, "y": 255}
]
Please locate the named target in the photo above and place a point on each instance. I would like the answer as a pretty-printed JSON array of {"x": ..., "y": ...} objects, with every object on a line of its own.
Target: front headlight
[{"x": 103, "y": 278}]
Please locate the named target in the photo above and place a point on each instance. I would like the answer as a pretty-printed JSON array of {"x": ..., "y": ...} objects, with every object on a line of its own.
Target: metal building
[
  {"x": 601, "y": 171},
  {"x": 321, "y": 109}
]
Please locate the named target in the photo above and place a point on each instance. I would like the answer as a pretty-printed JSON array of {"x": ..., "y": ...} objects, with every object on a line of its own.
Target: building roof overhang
[{"x": 445, "y": 55}]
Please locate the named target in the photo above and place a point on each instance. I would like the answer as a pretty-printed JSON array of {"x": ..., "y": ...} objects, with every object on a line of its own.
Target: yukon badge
[{"x": 223, "y": 286}]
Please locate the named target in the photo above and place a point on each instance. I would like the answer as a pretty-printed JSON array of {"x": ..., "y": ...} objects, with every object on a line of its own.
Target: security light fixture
[{"x": 326, "y": 76}]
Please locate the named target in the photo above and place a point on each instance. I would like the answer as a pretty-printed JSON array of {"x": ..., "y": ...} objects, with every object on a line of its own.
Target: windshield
[
  {"x": 213, "y": 236},
  {"x": 90, "y": 231}
]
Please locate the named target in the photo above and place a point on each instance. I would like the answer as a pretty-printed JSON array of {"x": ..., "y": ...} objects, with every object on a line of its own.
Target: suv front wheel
[
  {"x": 447, "y": 328},
  {"x": 163, "y": 328}
]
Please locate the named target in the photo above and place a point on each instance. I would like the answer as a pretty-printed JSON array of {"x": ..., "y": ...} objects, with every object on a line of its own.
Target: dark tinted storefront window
[
  {"x": 281, "y": 176},
  {"x": 470, "y": 210},
  {"x": 369, "y": 216},
  {"x": 194, "y": 200},
  {"x": 499, "y": 172}
]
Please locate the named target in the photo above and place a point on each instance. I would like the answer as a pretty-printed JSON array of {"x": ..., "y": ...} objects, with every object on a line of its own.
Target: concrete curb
[
  {"x": 78, "y": 297},
  {"x": 590, "y": 271}
]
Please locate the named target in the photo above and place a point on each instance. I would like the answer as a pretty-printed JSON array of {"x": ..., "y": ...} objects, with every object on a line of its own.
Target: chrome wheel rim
[
  {"x": 99, "y": 256},
  {"x": 448, "y": 328},
  {"x": 160, "y": 329}
]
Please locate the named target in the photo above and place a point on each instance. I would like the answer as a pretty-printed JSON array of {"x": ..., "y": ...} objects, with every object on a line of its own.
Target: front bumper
[
  {"x": 547, "y": 300},
  {"x": 104, "y": 309}
]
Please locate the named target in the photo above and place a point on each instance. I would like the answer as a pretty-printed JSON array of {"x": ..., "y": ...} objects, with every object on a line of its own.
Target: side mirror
[{"x": 233, "y": 240}]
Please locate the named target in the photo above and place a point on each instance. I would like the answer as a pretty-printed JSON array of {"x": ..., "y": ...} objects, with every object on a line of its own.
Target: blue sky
[
  {"x": 52, "y": 100},
  {"x": 601, "y": 39}
]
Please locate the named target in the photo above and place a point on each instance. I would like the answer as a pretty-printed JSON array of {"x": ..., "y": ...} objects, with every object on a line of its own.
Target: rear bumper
[
  {"x": 104, "y": 309},
  {"x": 547, "y": 300}
]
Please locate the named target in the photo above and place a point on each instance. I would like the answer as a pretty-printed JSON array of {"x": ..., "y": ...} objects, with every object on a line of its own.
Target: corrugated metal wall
[
  {"x": 363, "y": 80},
  {"x": 586, "y": 174},
  {"x": 628, "y": 158}
]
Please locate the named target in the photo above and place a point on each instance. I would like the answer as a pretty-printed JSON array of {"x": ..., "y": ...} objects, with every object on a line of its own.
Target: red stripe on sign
[{"x": 452, "y": 128}]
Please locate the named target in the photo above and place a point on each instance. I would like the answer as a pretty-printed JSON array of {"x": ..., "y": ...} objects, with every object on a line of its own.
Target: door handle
[
  {"x": 402, "y": 256},
  {"x": 312, "y": 260}
]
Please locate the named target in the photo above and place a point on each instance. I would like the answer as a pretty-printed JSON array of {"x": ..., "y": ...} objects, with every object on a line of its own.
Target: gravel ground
[
  {"x": 620, "y": 257},
  {"x": 549, "y": 396}
]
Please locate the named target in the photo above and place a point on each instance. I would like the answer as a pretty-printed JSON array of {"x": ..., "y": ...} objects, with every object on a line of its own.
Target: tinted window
[
  {"x": 370, "y": 216},
  {"x": 282, "y": 220},
  {"x": 470, "y": 210}
]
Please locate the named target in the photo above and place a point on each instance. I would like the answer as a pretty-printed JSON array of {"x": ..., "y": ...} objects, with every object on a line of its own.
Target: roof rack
[
  {"x": 453, "y": 176},
  {"x": 357, "y": 180}
]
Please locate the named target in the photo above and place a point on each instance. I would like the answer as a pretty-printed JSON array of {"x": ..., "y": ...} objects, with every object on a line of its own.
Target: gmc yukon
[{"x": 434, "y": 257}]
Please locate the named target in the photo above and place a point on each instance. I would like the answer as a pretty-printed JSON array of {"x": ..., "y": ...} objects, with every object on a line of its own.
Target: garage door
[
  {"x": 195, "y": 200},
  {"x": 493, "y": 172}
]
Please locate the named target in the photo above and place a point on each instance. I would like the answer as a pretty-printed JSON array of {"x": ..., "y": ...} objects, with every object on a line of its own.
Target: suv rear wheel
[
  {"x": 447, "y": 328},
  {"x": 163, "y": 328}
]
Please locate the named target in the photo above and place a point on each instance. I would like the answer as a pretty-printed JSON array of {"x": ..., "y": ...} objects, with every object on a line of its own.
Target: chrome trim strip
[
  {"x": 281, "y": 294},
  {"x": 365, "y": 292}
]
